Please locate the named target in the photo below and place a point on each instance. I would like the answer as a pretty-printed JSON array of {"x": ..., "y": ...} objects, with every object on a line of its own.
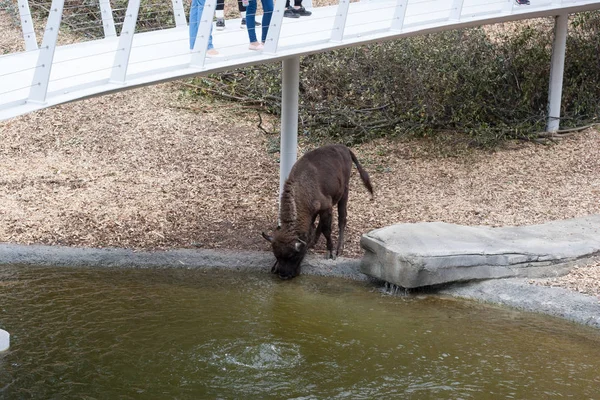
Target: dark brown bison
[{"x": 317, "y": 182}]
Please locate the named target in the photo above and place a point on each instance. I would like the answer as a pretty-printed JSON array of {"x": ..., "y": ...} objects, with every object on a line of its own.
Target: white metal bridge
[{"x": 47, "y": 74}]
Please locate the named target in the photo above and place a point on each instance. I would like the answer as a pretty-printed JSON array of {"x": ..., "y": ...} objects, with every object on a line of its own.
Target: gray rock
[{"x": 433, "y": 253}]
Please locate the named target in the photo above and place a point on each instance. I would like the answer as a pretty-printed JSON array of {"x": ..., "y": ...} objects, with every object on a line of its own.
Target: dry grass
[
  {"x": 150, "y": 169},
  {"x": 582, "y": 279}
]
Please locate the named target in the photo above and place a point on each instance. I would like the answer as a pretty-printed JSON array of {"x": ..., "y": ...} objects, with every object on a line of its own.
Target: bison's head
[{"x": 289, "y": 251}]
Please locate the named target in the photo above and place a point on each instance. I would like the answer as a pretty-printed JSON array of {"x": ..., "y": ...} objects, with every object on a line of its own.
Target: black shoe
[
  {"x": 523, "y": 2},
  {"x": 289, "y": 13},
  {"x": 304, "y": 13}
]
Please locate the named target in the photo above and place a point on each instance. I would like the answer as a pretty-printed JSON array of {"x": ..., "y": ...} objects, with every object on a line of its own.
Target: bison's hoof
[{"x": 330, "y": 255}]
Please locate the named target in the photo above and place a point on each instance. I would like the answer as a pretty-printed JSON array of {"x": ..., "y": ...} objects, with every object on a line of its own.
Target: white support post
[
  {"x": 41, "y": 77},
  {"x": 288, "y": 148},
  {"x": 557, "y": 68},
  {"x": 27, "y": 25},
  {"x": 179, "y": 13},
  {"x": 204, "y": 32},
  {"x": 508, "y": 6},
  {"x": 275, "y": 28},
  {"x": 121, "y": 62},
  {"x": 108, "y": 22},
  {"x": 399, "y": 14},
  {"x": 339, "y": 23},
  {"x": 456, "y": 10}
]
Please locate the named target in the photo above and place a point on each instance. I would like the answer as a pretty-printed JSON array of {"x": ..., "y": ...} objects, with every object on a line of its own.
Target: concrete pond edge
[{"x": 513, "y": 292}]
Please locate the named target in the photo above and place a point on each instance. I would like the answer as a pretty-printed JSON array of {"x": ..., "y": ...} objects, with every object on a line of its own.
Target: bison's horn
[
  {"x": 274, "y": 267},
  {"x": 267, "y": 237},
  {"x": 299, "y": 243}
]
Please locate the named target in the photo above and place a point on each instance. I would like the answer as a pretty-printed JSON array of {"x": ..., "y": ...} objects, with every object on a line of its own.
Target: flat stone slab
[{"x": 433, "y": 253}]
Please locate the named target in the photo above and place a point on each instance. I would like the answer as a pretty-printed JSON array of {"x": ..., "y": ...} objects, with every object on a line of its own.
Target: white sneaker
[{"x": 256, "y": 46}]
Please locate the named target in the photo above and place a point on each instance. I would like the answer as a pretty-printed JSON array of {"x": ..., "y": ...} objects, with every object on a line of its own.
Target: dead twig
[
  {"x": 260, "y": 125},
  {"x": 562, "y": 133}
]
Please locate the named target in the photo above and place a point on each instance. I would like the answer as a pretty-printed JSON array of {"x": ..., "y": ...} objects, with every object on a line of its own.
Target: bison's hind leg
[{"x": 342, "y": 213}]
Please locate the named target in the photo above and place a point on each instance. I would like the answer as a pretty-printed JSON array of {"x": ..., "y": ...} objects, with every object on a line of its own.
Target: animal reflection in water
[{"x": 317, "y": 182}]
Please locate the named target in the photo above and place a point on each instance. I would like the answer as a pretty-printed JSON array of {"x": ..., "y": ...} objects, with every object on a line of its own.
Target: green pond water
[{"x": 194, "y": 334}]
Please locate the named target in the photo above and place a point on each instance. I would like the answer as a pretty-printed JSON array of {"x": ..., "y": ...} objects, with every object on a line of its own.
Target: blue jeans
[
  {"x": 251, "y": 21},
  {"x": 195, "y": 17}
]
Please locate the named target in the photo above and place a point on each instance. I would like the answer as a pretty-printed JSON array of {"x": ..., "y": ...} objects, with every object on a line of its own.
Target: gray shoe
[{"x": 289, "y": 13}]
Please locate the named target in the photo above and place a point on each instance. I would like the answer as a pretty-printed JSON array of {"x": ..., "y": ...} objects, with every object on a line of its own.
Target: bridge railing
[{"x": 122, "y": 45}]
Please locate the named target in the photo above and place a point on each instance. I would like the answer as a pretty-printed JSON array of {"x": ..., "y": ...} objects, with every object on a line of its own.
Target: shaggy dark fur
[{"x": 318, "y": 181}]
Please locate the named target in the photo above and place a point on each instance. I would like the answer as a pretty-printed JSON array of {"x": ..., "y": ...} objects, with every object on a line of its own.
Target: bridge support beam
[
  {"x": 27, "y": 25},
  {"x": 339, "y": 23},
  {"x": 41, "y": 76},
  {"x": 123, "y": 51},
  {"x": 556, "y": 72},
  {"x": 288, "y": 148},
  {"x": 108, "y": 22}
]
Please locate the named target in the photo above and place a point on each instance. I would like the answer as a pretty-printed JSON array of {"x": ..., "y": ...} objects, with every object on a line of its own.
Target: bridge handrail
[{"x": 28, "y": 83}]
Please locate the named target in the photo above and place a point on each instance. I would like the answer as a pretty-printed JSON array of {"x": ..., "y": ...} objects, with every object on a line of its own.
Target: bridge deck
[{"x": 83, "y": 69}]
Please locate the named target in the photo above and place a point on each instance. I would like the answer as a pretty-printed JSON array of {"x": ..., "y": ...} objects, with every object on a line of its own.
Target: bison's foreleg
[
  {"x": 316, "y": 235},
  {"x": 342, "y": 213},
  {"x": 274, "y": 268},
  {"x": 325, "y": 224}
]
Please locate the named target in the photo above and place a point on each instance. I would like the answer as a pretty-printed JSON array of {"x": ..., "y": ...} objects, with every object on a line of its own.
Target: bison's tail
[{"x": 363, "y": 174}]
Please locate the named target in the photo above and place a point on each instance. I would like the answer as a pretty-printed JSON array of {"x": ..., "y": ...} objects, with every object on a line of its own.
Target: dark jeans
[
  {"x": 297, "y": 3},
  {"x": 221, "y": 5},
  {"x": 267, "y": 6}
]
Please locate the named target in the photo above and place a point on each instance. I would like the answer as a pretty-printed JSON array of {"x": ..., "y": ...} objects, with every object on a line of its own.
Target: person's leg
[
  {"x": 289, "y": 11},
  {"x": 195, "y": 14},
  {"x": 266, "y": 19},
  {"x": 299, "y": 9},
  {"x": 195, "y": 18},
  {"x": 220, "y": 14},
  {"x": 250, "y": 20},
  {"x": 242, "y": 9}
]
